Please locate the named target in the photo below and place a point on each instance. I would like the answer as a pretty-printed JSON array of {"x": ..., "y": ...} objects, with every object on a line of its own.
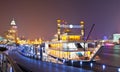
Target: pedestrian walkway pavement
[{"x": 33, "y": 65}]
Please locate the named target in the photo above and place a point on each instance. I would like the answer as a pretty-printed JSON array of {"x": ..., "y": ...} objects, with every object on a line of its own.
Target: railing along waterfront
[{"x": 7, "y": 64}]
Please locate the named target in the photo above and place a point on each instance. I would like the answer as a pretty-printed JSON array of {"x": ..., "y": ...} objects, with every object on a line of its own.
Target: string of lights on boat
[{"x": 70, "y": 26}]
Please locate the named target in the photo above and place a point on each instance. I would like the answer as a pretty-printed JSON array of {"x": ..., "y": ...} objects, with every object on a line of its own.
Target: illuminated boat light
[
  {"x": 103, "y": 66},
  {"x": 109, "y": 44}
]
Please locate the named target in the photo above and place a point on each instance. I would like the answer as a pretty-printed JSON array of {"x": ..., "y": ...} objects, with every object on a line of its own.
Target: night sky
[{"x": 37, "y": 18}]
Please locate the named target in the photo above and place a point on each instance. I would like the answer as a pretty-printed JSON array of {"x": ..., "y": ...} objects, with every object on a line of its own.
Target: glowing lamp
[
  {"x": 71, "y": 26},
  {"x": 118, "y": 69},
  {"x": 91, "y": 65},
  {"x": 58, "y": 20},
  {"x": 80, "y": 63},
  {"x": 103, "y": 66},
  {"x": 82, "y": 22}
]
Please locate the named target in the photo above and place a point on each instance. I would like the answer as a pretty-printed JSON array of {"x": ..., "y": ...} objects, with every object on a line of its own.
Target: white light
[
  {"x": 11, "y": 69},
  {"x": 103, "y": 67},
  {"x": 38, "y": 53},
  {"x": 13, "y": 22},
  {"x": 71, "y": 26},
  {"x": 72, "y": 62},
  {"x": 56, "y": 59},
  {"x": 118, "y": 69},
  {"x": 71, "y": 46},
  {"x": 80, "y": 63},
  {"x": 91, "y": 64},
  {"x": 63, "y": 61}
]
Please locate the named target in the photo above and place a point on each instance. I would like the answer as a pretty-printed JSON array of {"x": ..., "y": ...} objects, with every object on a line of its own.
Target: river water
[{"x": 110, "y": 55}]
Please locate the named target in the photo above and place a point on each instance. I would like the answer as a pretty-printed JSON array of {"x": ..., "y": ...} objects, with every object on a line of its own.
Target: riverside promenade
[{"x": 33, "y": 65}]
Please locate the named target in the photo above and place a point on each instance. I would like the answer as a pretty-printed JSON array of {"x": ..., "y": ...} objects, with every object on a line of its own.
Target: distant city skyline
[{"x": 37, "y": 18}]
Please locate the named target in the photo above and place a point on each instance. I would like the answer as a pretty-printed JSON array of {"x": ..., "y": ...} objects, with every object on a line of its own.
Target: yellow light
[
  {"x": 56, "y": 46},
  {"x": 70, "y": 37},
  {"x": 81, "y": 22},
  {"x": 64, "y": 37},
  {"x": 88, "y": 53},
  {"x": 60, "y": 54},
  {"x": 58, "y": 20}
]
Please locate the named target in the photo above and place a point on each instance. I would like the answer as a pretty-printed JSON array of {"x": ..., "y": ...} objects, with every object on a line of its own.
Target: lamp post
[
  {"x": 82, "y": 29},
  {"x": 58, "y": 29},
  {"x": 58, "y": 32}
]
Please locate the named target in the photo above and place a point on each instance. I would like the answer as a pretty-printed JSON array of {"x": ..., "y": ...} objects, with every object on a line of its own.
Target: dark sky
[{"x": 37, "y": 18}]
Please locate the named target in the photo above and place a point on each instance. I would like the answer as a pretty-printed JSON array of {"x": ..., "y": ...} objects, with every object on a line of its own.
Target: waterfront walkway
[{"x": 32, "y": 65}]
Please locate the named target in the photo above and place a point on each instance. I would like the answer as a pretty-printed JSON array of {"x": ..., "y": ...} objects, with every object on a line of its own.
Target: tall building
[
  {"x": 116, "y": 38},
  {"x": 11, "y": 34}
]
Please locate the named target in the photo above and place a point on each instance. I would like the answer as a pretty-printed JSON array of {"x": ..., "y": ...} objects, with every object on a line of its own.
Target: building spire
[{"x": 13, "y": 22}]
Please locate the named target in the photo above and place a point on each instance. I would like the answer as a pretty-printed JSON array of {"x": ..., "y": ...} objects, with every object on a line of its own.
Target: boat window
[{"x": 78, "y": 45}]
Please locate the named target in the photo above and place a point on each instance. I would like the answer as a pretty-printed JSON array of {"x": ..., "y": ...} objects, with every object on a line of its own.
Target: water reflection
[
  {"x": 110, "y": 55},
  {"x": 117, "y": 49}
]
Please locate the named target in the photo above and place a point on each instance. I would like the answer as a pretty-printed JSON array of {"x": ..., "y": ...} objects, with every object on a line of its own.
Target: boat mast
[
  {"x": 85, "y": 40},
  {"x": 90, "y": 32}
]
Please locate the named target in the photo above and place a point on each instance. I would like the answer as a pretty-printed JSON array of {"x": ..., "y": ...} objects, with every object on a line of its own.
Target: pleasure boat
[{"x": 71, "y": 46}]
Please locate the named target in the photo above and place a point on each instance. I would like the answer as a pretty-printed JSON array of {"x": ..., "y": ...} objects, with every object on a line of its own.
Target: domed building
[{"x": 11, "y": 34}]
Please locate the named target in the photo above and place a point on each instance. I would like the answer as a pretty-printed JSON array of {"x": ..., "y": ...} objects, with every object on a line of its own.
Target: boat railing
[{"x": 94, "y": 52}]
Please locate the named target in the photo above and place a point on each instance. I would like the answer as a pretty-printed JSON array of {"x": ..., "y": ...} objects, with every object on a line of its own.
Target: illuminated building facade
[
  {"x": 116, "y": 38},
  {"x": 11, "y": 34}
]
